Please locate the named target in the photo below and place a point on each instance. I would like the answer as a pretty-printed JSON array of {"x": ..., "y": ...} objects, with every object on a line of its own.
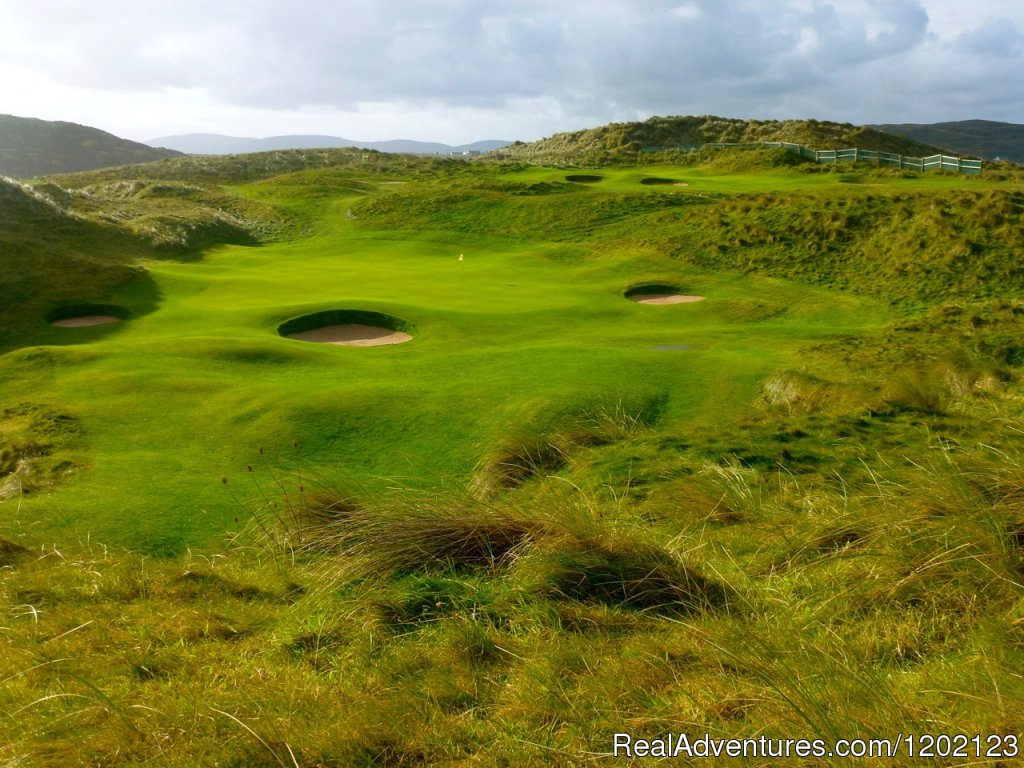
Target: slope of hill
[
  {"x": 618, "y": 140},
  {"x": 986, "y": 139},
  {"x": 216, "y": 144},
  {"x": 53, "y": 256},
  {"x": 31, "y": 147}
]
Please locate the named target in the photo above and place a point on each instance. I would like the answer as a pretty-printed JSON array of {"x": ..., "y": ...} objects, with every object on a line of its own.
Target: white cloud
[{"x": 518, "y": 69}]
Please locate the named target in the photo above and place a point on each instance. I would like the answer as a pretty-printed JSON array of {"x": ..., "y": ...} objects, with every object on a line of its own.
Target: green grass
[
  {"x": 510, "y": 327},
  {"x": 793, "y": 508},
  {"x": 500, "y": 333}
]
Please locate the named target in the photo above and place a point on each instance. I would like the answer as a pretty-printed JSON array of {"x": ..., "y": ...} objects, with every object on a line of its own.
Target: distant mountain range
[
  {"x": 31, "y": 147},
  {"x": 986, "y": 139},
  {"x": 216, "y": 144}
]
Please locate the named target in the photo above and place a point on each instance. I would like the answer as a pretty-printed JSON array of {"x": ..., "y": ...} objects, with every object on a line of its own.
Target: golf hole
[
  {"x": 659, "y": 293},
  {"x": 86, "y": 315},
  {"x": 348, "y": 327}
]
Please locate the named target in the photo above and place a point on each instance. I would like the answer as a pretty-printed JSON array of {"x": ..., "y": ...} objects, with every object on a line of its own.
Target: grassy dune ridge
[
  {"x": 793, "y": 508},
  {"x": 627, "y": 142}
]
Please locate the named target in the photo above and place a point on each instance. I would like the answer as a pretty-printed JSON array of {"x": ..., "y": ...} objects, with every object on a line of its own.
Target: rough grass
[
  {"x": 547, "y": 443},
  {"x": 442, "y": 633}
]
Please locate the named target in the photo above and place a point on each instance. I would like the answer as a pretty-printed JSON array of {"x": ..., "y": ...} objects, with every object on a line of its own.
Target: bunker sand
[
  {"x": 353, "y": 335},
  {"x": 85, "y": 321},
  {"x": 663, "y": 298}
]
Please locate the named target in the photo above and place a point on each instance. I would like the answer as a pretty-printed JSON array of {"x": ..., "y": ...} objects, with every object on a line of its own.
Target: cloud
[
  {"x": 594, "y": 59},
  {"x": 996, "y": 38}
]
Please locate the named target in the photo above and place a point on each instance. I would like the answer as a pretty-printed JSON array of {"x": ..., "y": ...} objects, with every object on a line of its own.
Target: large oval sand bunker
[
  {"x": 658, "y": 293},
  {"x": 348, "y": 327},
  {"x": 86, "y": 315}
]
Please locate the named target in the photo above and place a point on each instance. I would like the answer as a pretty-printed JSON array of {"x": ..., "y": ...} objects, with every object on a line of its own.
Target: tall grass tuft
[
  {"x": 916, "y": 391},
  {"x": 627, "y": 572},
  {"x": 412, "y": 537},
  {"x": 545, "y": 444}
]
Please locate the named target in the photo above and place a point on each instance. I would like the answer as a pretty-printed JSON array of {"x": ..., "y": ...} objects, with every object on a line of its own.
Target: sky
[{"x": 458, "y": 71}]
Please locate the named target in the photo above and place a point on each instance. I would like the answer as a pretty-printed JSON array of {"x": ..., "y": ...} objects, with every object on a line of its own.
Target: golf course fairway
[{"x": 168, "y": 403}]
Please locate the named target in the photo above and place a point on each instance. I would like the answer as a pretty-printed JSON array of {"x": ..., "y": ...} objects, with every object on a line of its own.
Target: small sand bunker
[
  {"x": 656, "y": 293},
  {"x": 654, "y": 181},
  {"x": 86, "y": 315},
  {"x": 85, "y": 321},
  {"x": 664, "y": 298},
  {"x": 353, "y": 335},
  {"x": 348, "y": 327}
]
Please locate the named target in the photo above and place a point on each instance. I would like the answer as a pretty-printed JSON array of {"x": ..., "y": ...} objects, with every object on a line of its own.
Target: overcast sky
[{"x": 461, "y": 70}]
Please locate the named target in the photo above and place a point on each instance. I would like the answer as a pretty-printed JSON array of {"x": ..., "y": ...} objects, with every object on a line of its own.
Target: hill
[
  {"x": 625, "y": 140},
  {"x": 987, "y": 139},
  {"x": 32, "y": 147},
  {"x": 217, "y": 144}
]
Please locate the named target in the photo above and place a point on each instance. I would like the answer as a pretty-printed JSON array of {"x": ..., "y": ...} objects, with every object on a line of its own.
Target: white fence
[{"x": 922, "y": 164}]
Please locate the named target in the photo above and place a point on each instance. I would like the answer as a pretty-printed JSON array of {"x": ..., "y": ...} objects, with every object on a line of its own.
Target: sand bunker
[
  {"x": 86, "y": 315},
  {"x": 85, "y": 321},
  {"x": 349, "y": 328},
  {"x": 352, "y": 335},
  {"x": 663, "y": 298},
  {"x": 659, "y": 293},
  {"x": 652, "y": 181}
]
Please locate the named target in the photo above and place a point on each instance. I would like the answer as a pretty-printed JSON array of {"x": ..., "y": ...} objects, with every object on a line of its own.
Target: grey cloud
[
  {"x": 999, "y": 38},
  {"x": 593, "y": 57}
]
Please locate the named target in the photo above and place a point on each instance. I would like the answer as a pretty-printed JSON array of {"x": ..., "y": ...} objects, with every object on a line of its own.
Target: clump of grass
[
  {"x": 518, "y": 459},
  {"x": 420, "y": 536},
  {"x": 955, "y": 378},
  {"x": 801, "y": 392},
  {"x": 915, "y": 391},
  {"x": 286, "y": 506},
  {"x": 967, "y": 374},
  {"x": 546, "y": 443},
  {"x": 11, "y": 552},
  {"x": 32, "y": 443},
  {"x": 627, "y": 572}
]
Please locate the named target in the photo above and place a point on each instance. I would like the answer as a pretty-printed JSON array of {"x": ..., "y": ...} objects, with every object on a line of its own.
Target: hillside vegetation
[
  {"x": 794, "y": 508},
  {"x": 31, "y": 147},
  {"x": 52, "y": 256},
  {"x": 240, "y": 169},
  {"x": 625, "y": 141}
]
